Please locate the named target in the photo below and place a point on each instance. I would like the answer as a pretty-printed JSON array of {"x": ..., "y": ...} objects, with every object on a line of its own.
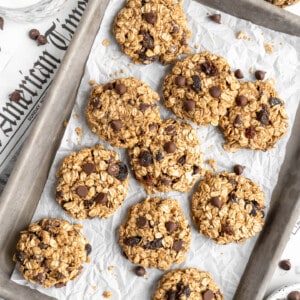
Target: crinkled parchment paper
[{"x": 225, "y": 263}]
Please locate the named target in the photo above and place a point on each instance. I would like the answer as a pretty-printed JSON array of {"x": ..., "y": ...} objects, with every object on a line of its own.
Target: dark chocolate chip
[
  {"x": 116, "y": 125},
  {"x": 120, "y": 88},
  {"x": 260, "y": 75},
  {"x": 123, "y": 172},
  {"x": 141, "y": 222},
  {"x": 1, "y": 23},
  {"x": 180, "y": 80},
  {"x": 34, "y": 34},
  {"x": 15, "y": 96},
  {"x": 159, "y": 156},
  {"x": 239, "y": 74},
  {"x": 294, "y": 295},
  {"x": 144, "y": 106},
  {"x": 40, "y": 277},
  {"x": 175, "y": 28},
  {"x": 145, "y": 59},
  {"x": 41, "y": 40},
  {"x": 148, "y": 179},
  {"x": 108, "y": 86},
  {"x": 227, "y": 229},
  {"x": 150, "y": 17},
  {"x": 171, "y": 295},
  {"x": 238, "y": 169},
  {"x": 177, "y": 245},
  {"x": 241, "y": 100},
  {"x": 145, "y": 159},
  {"x": 171, "y": 226},
  {"x": 170, "y": 147},
  {"x": 140, "y": 271},
  {"x": 113, "y": 169},
  {"x": 101, "y": 198},
  {"x": 189, "y": 105},
  {"x": 232, "y": 197},
  {"x": 59, "y": 195},
  {"x": 209, "y": 68},
  {"x": 196, "y": 86},
  {"x": 208, "y": 295},
  {"x": 250, "y": 132},
  {"x": 186, "y": 291},
  {"x": 263, "y": 115},
  {"x": 253, "y": 212},
  {"x": 274, "y": 101},
  {"x": 82, "y": 191},
  {"x": 143, "y": 2},
  {"x": 132, "y": 241},
  {"x": 215, "y": 91},
  {"x": 88, "y": 249},
  {"x": 196, "y": 170},
  {"x": 20, "y": 256},
  {"x": 153, "y": 126},
  {"x": 182, "y": 160},
  {"x": 285, "y": 264},
  {"x": 238, "y": 121},
  {"x": 43, "y": 245},
  {"x": 171, "y": 130},
  {"x": 88, "y": 168},
  {"x": 96, "y": 104},
  {"x": 216, "y": 18},
  {"x": 59, "y": 285},
  {"x": 166, "y": 181},
  {"x": 155, "y": 244},
  {"x": 148, "y": 41},
  {"x": 88, "y": 203},
  {"x": 216, "y": 201}
]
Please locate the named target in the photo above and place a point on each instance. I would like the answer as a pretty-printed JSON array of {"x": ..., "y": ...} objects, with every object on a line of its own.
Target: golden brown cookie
[{"x": 283, "y": 3}]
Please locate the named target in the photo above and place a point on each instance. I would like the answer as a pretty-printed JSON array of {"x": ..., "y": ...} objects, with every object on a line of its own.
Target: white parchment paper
[{"x": 225, "y": 263}]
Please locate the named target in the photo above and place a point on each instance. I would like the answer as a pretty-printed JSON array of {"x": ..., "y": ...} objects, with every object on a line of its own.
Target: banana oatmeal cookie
[
  {"x": 122, "y": 110},
  {"x": 283, "y": 3},
  {"x": 156, "y": 233},
  {"x": 228, "y": 207},
  {"x": 189, "y": 283},
  {"x": 170, "y": 160},
  {"x": 257, "y": 120},
  {"x": 152, "y": 30},
  {"x": 51, "y": 252},
  {"x": 92, "y": 182},
  {"x": 200, "y": 88}
]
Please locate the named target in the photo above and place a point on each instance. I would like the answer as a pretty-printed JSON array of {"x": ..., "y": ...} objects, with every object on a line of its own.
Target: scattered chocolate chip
[
  {"x": 170, "y": 147},
  {"x": 15, "y": 96},
  {"x": 97, "y": 104},
  {"x": 153, "y": 126},
  {"x": 40, "y": 277},
  {"x": 41, "y": 40},
  {"x": 166, "y": 181},
  {"x": 150, "y": 17},
  {"x": 144, "y": 106},
  {"x": 20, "y": 256},
  {"x": 171, "y": 226},
  {"x": 177, "y": 245},
  {"x": 88, "y": 168},
  {"x": 116, "y": 125},
  {"x": 113, "y": 169},
  {"x": 216, "y": 201},
  {"x": 108, "y": 86},
  {"x": 215, "y": 91},
  {"x": 34, "y": 34},
  {"x": 132, "y": 241},
  {"x": 145, "y": 159},
  {"x": 155, "y": 244},
  {"x": 274, "y": 101},
  {"x": 216, "y": 18},
  {"x": 196, "y": 170},
  {"x": 148, "y": 41},
  {"x": 59, "y": 285},
  {"x": 182, "y": 160},
  {"x": 180, "y": 80},
  {"x": 82, "y": 191},
  {"x": 43, "y": 245},
  {"x": 159, "y": 156},
  {"x": 263, "y": 115},
  {"x": 1, "y": 23},
  {"x": 88, "y": 249},
  {"x": 241, "y": 100},
  {"x": 196, "y": 86},
  {"x": 123, "y": 172},
  {"x": 148, "y": 179},
  {"x": 238, "y": 169},
  {"x": 285, "y": 264},
  {"x": 141, "y": 222},
  {"x": 260, "y": 75},
  {"x": 250, "y": 132},
  {"x": 227, "y": 229},
  {"x": 120, "y": 88},
  {"x": 294, "y": 295},
  {"x": 238, "y": 121},
  {"x": 171, "y": 295},
  {"x": 239, "y": 74},
  {"x": 140, "y": 271},
  {"x": 101, "y": 198},
  {"x": 189, "y": 105},
  {"x": 208, "y": 295},
  {"x": 171, "y": 130},
  {"x": 209, "y": 68}
]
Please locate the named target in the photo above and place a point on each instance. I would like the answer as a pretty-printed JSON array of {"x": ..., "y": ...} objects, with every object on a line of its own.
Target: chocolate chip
[
  {"x": 82, "y": 191},
  {"x": 239, "y": 74},
  {"x": 120, "y": 88},
  {"x": 285, "y": 264},
  {"x": 141, "y": 222},
  {"x": 175, "y": 28},
  {"x": 20, "y": 256},
  {"x": 43, "y": 246},
  {"x": 263, "y": 115},
  {"x": 166, "y": 181},
  {"x": 148, "y": 41},
  {"x": 145, "y": 59},
  {"x": 253, "y": 212},
  {"x": 171, "y": 295},
  {"x": 241, "y": 100},
  {"x": 143, "y": 2},
  {"x": 182, "y": 160},
  {"x": 171, "y": 130},
  {"x": 189, "y": 105},
  {"x": 209, "y": 68},
  {"x": 171, "y": 226},
  {"x": 186, "y": 291},
  {"x": 182, "y": 290},
  {"x": 88, "y": 168},
  {"x": 148, "y": 179},
  {"x": 159, "y": 156},
  {"x": 15, "y": 96},
  {"x": 216, "y": 18},
  {"x": 1, "y": 23},
  {"x": 208, "y": 295},
  {"x": 260, "y": 75},
  {"x": 88, "y": 249},
  {"x": 232, "y": 197},
  {"x": 101, "y": 198},
  {"x": 145, "y": 159},
  {"x": 153, "y": 126},
  {"x": 294, "y": 295},
  {"x": 108, "y": 86},
  {"x": 177, "y": 245},
  {"x": 238, "y": 121},
  {"x": 96, "y": 104},
  {"x": 196, "y": 86},
  {"x": 41, "y": 40},
  {"x": 123, "y": 172},
  {"x": 40, "y": 277},
  {"x": 274, "y": 101},
  {"x": 153, "y": 245},
  {"x": 144, "y": 106},
  {"x": 215, "y": 91},
  {"x": 170, "y": 147},
  {"x": 59, "y": 285},
  {"x": 140, "y": 271},
  {"x": 250, "y": 132},
  {"x": 34, "y": 34},
  {"x": 132, "y": 241},
  {"x": 227, "y": 229},
  {"x": 88, "y": 203},
  {"x": 238, "y": 169},
  {"x": 216, "y": 201},
  {"x": 196, "y": 169},
  {"x": 150, "y": 17},
  {"x": 113, "y": 170},
  {"x": 180, "y": 80},
  {"x": 116, "y": 125}
]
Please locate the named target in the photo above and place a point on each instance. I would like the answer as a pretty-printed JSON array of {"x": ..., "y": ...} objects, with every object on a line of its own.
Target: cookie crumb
[
  {"x": 75, "y": 116},
  {"x": 94, "y": 287},
  {"x": 196, "y": 46},
  {"x": 65, "y": 123},
  {"x": 269, "y": 48},
  {"x": 107, "y": 294},
  {"x": 251, "y": 70},
  {"x": 123, "y": 71},
  {"x": 92, "y": 82},
  {"x": 212, "y": 163},
  {"x": 111, "y": 268},
  {"x": 241, "y": 35},
  {"x": 78, "y": 130},
  {"x": 106, "y": 42}
]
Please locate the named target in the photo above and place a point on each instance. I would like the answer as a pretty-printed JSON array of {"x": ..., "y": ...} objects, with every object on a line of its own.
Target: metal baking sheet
[{"x": 26, "y": 183}]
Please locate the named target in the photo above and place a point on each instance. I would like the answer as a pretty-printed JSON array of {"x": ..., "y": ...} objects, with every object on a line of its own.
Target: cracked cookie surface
[
  {"x": 200, "y": 88},
  {"x": 227, "y": 207},
  {"x": 51, "y": 252},
  {"x": 189, "y": 283},
  {"x": 257, "y": 120},
  {"x": 152, "y": 30},
  {"x": 92, "y": 182},
  {"x": 122, "y": 110},
  {"x": 170, "y": 160},
  {"x": 156, "y": 233}
]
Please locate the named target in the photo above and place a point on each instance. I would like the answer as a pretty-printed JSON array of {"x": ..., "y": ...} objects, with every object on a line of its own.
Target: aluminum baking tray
[{"x": 23, "y": 190}]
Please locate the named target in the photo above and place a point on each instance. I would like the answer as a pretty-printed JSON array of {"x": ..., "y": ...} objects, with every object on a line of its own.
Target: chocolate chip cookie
[
  {"x": 92, "y": 182},
  {"x": 156, "y": 233},
  {"x": 200, "y": 88},
  {"x": 152, "y": 30},
  {"x": 228, "y": 207},
  {"x": 257, "y": 120},
  {"x": 170, "y": 160},
  {"x": 122, "y": 110},
  {"x": 283, "y": 3},
  {"x": 189, "y": 283},
  {"x": 51, "y": 252}
]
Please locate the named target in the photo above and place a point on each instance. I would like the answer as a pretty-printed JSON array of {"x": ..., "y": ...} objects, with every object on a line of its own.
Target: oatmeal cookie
[
  {"x": 92, "y": 182},
  {"x": 283, "y": 3},
  {"x": 152, "y": 30},
  {"x": 189, "y": 283},
  {"x": 156, "y": 233},
  {"x": 228, "y": 207},
  {"x": 257, "y": 120},
  {"x": 122, "y": 110},
  {"x": 170, "y": 160},
  {"x": 200, "y": 88},
  {"x": 51, "y": 252}
]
